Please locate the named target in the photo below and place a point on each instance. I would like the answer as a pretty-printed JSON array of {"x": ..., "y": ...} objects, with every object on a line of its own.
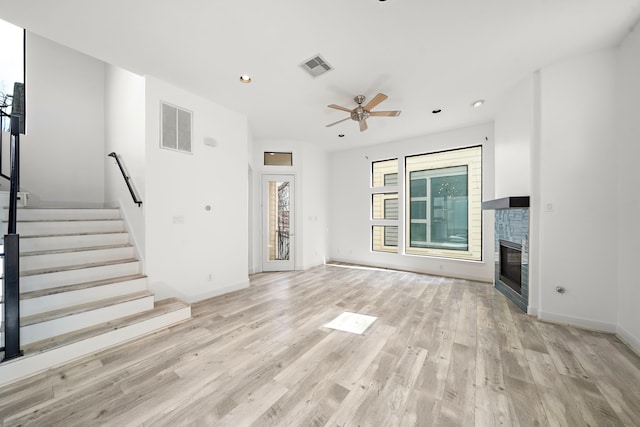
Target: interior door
[{"x": 278, "y": 237}]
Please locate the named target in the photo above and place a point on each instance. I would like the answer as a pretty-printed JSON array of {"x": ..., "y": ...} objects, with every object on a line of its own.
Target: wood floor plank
[
  {"x": 553, "y": 390},
  {"x": 491, "y": 403},
  {"x": 442, "y": 352},
  {"x": 525, "y": 403},
  {"x": 458, "y": 402}
]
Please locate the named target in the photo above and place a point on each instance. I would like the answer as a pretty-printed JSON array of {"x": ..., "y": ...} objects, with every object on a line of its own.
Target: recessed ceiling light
[
  {"x": 436, "y": 111},
  {"x": 477, "y": 103},
  {"x": 341, "y": 135},
  {"x": 245, "y": 78}
]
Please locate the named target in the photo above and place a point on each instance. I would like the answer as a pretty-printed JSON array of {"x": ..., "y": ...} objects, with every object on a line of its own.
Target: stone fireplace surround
[{"x": 512, "y": 225}]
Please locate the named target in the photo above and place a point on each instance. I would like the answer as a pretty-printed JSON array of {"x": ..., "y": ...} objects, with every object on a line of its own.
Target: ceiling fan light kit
[{"x": 361, "y": 113}]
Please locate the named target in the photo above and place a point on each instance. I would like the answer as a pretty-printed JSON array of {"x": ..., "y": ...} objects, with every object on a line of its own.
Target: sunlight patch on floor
[{"x": 351, "y": 322}]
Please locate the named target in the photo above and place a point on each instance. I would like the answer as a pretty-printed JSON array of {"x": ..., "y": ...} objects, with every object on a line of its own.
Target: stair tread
[
  {"x": 66, "y": 220},
  {"x": 71, "y": 250},
  {"x": 35, "y": 208},
  {"x": 76, "y": 267},
  {"x": 81, "y": 308},
  {"x": 91, "y": 233},
  {"x": 160, "y": 308},
  {"x": 79, "y": 286}
]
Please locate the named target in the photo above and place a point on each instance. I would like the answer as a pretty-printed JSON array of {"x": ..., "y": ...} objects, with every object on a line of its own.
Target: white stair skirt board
[
  {"x": 351, "y": 322},
  {"x": 31, "y": 364}
]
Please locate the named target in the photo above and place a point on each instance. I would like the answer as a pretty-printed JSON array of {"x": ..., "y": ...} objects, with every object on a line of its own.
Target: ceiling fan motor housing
[{"x": 359, "y": 114}]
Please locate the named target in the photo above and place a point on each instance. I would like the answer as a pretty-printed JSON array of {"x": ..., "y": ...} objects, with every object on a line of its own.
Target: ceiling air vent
[{"x": 316, "y": 66}]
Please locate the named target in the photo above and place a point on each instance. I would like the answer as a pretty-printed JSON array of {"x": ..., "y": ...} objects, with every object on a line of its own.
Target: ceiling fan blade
[
  {"x": 385, "y": 113},
  {"x": 339, "y": 121},
  {"x": 337, "y": 107},
  {"x": 363, "y": 125},
  {"x": 375, "y": 101}
]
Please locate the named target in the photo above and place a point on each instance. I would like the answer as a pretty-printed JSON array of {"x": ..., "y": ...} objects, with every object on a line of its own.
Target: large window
[
  {"x": 384, "y": 206},
  {"x": 443, "y": 204},
  {"x": 437, "y": 212}
]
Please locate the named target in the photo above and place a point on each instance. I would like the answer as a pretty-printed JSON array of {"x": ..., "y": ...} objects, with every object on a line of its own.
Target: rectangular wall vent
[
  {"x": 316, "y": 66},
  {"x": 175, "y": 128}
]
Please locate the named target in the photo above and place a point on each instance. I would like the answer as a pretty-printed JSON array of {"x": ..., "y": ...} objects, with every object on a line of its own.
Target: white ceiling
[{"x": 423, "y": 54}]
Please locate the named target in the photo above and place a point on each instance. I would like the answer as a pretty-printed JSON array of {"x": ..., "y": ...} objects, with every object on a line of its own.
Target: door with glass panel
[{"x": 277, "y": 223}]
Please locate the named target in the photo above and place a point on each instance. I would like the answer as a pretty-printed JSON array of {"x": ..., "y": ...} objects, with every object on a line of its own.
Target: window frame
[
  {"x": 474, "y": 251},
  {"x": 378, "y": 226}
]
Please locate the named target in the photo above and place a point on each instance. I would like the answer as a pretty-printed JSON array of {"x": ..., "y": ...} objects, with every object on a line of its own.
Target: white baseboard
[
  {"x": 595, "y": 325},
  {"x": 162, "y": 291},
  {"x": 448, "y": 273},
  {"x": 217, "y": 292},
  {"x": 308, "y": 266},
  {"x": 630, "y": 340}
]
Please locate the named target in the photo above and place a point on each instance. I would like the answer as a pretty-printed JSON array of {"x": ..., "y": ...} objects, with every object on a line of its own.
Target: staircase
[{"x": 81, "y": 288}]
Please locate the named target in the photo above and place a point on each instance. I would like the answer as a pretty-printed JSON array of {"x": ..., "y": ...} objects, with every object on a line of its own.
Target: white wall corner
[{"x": 627, "y": 338}]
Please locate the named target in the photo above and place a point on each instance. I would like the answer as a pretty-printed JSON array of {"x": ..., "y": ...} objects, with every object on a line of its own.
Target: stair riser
[
  {"x": 72, "y": 277},
  {"x": 35, "y": 244},
  {"x": 62, "y": 214},
  {"x": 52, "y": 328},
  {"x": 55, "y": 260},
  {"x": 67, "y": 227},
  {"x": 31, "y": 306}
]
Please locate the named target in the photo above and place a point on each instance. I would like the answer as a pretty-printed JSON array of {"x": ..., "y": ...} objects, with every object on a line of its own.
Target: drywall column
[{"x": 578, "y": 181}]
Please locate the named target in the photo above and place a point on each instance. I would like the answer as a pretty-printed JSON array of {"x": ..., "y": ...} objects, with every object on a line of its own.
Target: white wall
[
  {"x": 513, "y": 128},
  {"x": 62, "y": 155},
  {"x": 628, "y": 124},
  {"x": 350, "y": 231},
  {"x": 315, "y": 206},
  {"x": 577, "y": 182},
  {"x": 310, "y": 168},
  {"x": 125, "y": 135},
  {"x": 193, "y": 253}
]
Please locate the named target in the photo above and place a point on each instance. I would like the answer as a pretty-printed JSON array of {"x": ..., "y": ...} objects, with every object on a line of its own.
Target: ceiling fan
[{"x": 360, "y": 114}]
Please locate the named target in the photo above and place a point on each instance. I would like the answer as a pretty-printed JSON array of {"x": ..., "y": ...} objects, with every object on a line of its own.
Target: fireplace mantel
[{"x": 506, "y": 203}]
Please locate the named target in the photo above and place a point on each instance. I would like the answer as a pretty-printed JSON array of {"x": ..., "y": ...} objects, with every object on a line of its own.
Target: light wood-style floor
[{"x": 443, "y": 352}]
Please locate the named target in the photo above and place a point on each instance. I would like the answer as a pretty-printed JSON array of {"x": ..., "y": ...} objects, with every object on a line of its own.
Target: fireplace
[
  {"x": 511, "y": 248},
  {"x": 511, "y": 265}
]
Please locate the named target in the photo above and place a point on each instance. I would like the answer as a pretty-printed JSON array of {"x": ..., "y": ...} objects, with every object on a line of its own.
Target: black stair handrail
[
  {"x": 11, "y": 281},
  {"x": 127, "y": 180}
]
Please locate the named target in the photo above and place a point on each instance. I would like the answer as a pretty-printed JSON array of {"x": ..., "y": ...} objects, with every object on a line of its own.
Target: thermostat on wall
[{"x": 210, "y": 142}]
